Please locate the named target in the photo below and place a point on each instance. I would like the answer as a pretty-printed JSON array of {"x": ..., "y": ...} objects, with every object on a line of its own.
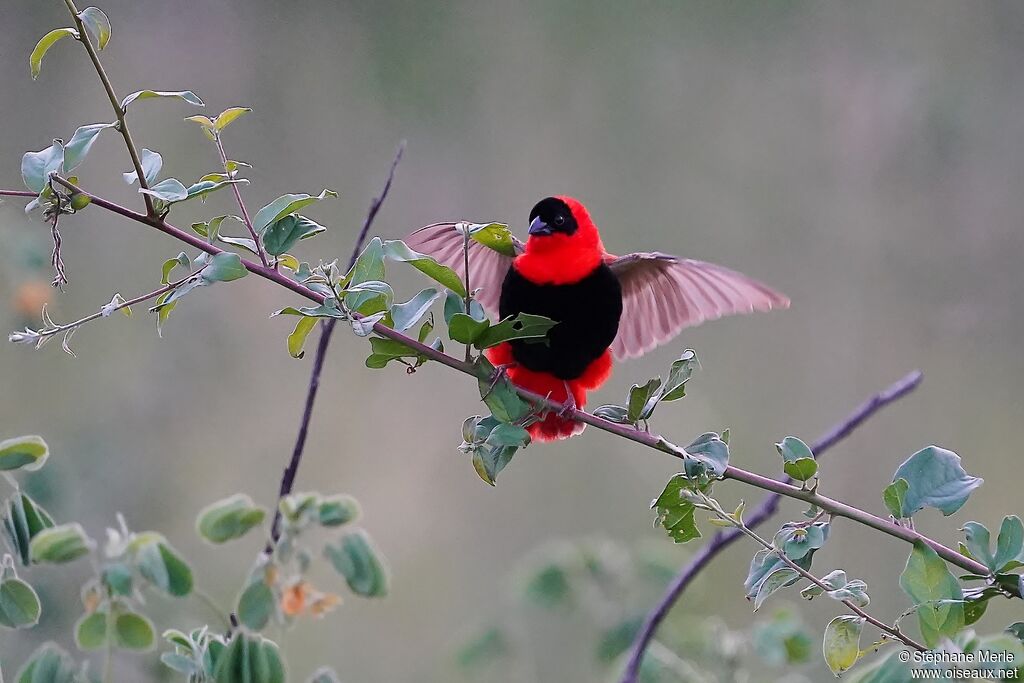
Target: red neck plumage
[{"x": 563, "y": 259}]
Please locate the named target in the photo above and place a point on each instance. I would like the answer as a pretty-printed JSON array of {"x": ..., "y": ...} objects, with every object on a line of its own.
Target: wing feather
[
  {"x": 662, "y": 295},
  {"x": 487, "y": 268}
]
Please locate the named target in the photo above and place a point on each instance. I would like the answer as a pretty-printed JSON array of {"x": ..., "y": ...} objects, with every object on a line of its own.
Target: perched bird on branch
[{"x": 606, "y": 306}]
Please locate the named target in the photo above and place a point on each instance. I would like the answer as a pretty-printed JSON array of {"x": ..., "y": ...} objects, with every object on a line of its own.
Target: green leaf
[
  {"x": 228, "y": 116},
  {"x": 979, "y": 543},
  {"x": 798, "y": 459},
  {"x": 766, "y": 562},
  {"x": 48, "y": 664},
  {"x": 224, "y": 267},
  {"x": 797, "y": 540},
  {"x": 466, "y": 330},
  {"x": 81, "y": 142},
  {"x": 24, "y": 519},
  {"x": 169, "y": 190},
  {"x": 133, "y": 631},
  {"x": 483, "y": 648},
  {"x": 337, "y": 510},
  {"x": 232, "y": 517},
  {"x": 936, "y": 593},
  {"x": 613, "y": 413},
  {"x": 706, "y": 457},
  {"x": 35, "y": 60},
  {"x": 184, "y": 95},
  {"x": 98, "y": 24},
  {"x": 501, "y": 398},
  {"x": 91, "y": 631},
  {"x": 161, "y": 565},
  {"x": 841, "y": 645},
  {"x": 152, "y": 162},
  {"x": 27, "y": 453},
  {"x": 895, "y": 497},
  {"x": 522, "y": 326},
  {"x": 1016, "y": 629},
  {"x": 397, "y": 250},
  {"x": 675, "y": 511},
  {"x": 170, "y": 264},
  {"x": 369, "y": 267},
  {"x": 678, "y": 375},
  {"x": 284, "y": 205},
  {"x": 297, "y": 338},
  {"x": 776, "y": 581},
  {"x": 256, "y": 605},
  {"x": 59, "y": 544},
  {"x": 19, "y": 604},
  {"x": 549, "y": 586},
  {"x": 639, "y": 395},
  {"x": 1010, "y": 544},
  {"x": 205, "y": 186},
  {"x": 405, "y": 315},
  {"x": 36, "y": 167},
  {"x": 496, "y": 236},
  {"x": 356, "y": 559},
  {"x": 249, "y": 658},
  {"x": 117, "y": 577},
  {"x": 616, "y": 640},
  {"x": 936, "y": 479},
  {"x": 283, "y": 233}
]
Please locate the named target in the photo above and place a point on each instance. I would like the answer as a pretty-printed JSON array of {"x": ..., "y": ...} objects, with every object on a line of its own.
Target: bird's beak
[{"x": 539, "y": 227}]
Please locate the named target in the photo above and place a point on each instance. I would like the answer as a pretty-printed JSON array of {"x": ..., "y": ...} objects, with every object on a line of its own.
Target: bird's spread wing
[
  {"x": 663, "y": 294},
  {"x": 487, "y": 267}
]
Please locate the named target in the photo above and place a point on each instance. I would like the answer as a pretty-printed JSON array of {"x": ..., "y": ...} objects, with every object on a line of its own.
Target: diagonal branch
[
  {"x": 723, "y": 539},
  {"x": 326, "y": 330},
  {"x": 122, "y": 126},
  {"x": 644, "y": 438},
  {"x": 238, "y": 198}
]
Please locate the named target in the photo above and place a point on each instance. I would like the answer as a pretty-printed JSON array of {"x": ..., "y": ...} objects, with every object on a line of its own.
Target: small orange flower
[{"x": 293, "y": 599}]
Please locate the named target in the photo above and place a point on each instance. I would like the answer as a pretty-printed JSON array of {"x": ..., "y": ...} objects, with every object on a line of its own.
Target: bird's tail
[{"x": 552, "y": 427}]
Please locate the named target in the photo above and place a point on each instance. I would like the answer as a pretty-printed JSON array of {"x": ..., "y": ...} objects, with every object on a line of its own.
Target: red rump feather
[{"x": 552, "y": 427}]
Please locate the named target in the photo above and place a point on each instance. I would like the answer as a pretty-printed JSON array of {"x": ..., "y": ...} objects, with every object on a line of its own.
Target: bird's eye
[{"x": 559, "y": 219}]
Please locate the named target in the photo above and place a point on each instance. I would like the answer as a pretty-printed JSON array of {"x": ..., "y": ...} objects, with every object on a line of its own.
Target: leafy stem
[
  {"x": 628, "y": 432},
  {"x": 736, "y": 521},
  {"x": 238, "y": 198},
  {"x": 122, "y": 125}
]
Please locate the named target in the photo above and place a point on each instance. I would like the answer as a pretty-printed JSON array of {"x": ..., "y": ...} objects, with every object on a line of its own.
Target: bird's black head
[{"x": 552, "y": 216}]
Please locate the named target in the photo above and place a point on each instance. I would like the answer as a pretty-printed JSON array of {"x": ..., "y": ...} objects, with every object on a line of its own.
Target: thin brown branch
[
  {"x": 241, "y": 205},
  {"x": 654, "y": 441},
  {"x": 115, "y": 103},
  {"x": 326, "y": 330},
  {"x": 17, "y": 193},
  {"x": 723, "y": 539}
]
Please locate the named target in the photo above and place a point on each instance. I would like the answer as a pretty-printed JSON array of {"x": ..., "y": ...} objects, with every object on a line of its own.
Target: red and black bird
[{"x": 606, "y": 306}]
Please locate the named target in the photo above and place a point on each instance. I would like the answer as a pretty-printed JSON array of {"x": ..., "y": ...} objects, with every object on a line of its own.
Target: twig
[
  {"x": 18, "y": 193},
  {"x": 723, "y": 539},
  {"x": 238, "y": 198},
  {"x": 326, "y": 330},
  {"x": 648, "y": 439},
  {"x": 122, "y": 126},
  {"x": 894, "y": 632}
]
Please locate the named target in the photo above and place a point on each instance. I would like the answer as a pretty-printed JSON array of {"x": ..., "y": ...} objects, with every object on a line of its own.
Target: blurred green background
[{"x": 866, "y": 158}]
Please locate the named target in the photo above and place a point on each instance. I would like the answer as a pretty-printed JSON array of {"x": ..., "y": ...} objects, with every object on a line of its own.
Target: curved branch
[
  {"x": 644, "y": 438},
  {"x": 723, "y": 539}
]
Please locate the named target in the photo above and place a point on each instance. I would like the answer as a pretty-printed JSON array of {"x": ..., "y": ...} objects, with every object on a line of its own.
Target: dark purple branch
[
  {"x": 326, "y": 330},
  {"x": 723, "y": 539}
]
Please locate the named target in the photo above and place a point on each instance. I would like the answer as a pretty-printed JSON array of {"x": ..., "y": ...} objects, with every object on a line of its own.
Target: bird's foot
[
  {"x": 500, "y": 373},
  {"x": 569, "y": 406}
]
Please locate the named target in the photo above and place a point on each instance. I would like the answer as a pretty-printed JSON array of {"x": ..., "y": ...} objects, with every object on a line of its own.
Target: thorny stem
[
  {"x": 326, "y": 330},
  {"x": 643, "y": 438},
  {"x": 122, "y": 126},
  {"x": 723, "y": 539},
  {"x": 238, "y": 198},
  {"x": 894, "y": 632}
]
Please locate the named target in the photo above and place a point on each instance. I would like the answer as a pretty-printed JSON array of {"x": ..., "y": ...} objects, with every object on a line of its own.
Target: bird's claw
[
  {"x": 500, "y": 373},
  {"x": 569, "y": 406}
]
